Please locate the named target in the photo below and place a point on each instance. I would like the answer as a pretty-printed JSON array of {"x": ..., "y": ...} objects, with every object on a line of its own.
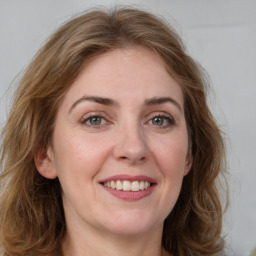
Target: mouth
[
  {"x": 129, "y": 187},
  {"x": 126, "y": 185}
]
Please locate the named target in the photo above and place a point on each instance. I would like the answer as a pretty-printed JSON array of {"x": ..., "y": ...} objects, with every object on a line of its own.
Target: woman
[{"x": 110, "y": 147}]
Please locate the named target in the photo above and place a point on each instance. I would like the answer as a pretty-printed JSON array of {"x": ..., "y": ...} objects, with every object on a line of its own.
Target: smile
[{"x": 127, "y": 185}]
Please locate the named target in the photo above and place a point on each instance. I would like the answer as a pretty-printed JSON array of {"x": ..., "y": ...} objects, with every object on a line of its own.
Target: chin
[{"x": 132, "y": 224}]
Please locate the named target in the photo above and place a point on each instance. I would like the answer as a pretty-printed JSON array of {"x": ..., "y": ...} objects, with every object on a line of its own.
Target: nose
[{"x": 130, "y": 145}]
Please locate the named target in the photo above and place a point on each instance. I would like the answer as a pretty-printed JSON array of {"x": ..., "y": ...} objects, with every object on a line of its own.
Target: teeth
[
  {"x": 119, "y": 185},
  {"x": 142, "y": 185},
  {"x": 127, "y": 185},
  {"x": 135, "y": 186},
  {"x": 112, "y": 184}
]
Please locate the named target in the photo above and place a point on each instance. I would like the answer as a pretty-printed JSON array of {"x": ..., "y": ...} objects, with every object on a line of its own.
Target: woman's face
[{"x": 120, "y": 144}]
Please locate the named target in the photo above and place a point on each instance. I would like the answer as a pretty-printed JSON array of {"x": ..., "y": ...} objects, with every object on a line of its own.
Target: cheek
[
  {"x": 171, "y": 155},
  {"x": 78, "y": 156}
]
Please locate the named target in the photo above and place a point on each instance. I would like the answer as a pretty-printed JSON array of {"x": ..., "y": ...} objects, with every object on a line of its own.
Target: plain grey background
[{"x": 220, "y": 34}]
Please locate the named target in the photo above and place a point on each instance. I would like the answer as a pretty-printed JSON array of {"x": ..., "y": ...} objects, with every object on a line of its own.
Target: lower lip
[{"x": 130, "y": 195}]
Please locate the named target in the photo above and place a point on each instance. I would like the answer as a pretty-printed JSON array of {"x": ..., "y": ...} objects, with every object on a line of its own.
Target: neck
[{"x": 91, "y": 242}]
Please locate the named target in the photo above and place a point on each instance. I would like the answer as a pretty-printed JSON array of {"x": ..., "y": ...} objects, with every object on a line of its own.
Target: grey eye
[
  {"x": 158, "y": 120},
  {"x": 96, "y": 120},
  {"x": 162, "y": 121}
]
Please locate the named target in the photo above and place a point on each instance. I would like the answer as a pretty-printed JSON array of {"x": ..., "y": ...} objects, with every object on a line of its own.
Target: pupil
[
  {"x": 95, "y": 120},
  {"x": 158, "y": 121}
]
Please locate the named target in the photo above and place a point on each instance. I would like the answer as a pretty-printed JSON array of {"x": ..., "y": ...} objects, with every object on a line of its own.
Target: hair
[{"x": 32, "y": 220}]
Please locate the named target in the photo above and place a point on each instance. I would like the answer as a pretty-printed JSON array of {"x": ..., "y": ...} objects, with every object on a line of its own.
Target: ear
[
  {"x": 188, "y": 163},
  {"x": 44, "y": 161}
]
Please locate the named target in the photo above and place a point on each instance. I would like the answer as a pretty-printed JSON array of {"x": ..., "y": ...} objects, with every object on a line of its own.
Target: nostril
[
  {"x": 132, "y": 159},
  {"x": 123, "y": 157}
]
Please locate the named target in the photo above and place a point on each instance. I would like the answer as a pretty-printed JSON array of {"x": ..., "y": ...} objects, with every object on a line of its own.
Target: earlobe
[
  {"x": 188, "y": 163},
  {"x": 44, "y": 162}
]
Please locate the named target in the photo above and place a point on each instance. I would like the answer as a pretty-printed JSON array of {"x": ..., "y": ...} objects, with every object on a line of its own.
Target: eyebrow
[
  {"x": 162, "y": 100},
  {"x": 111, "y": 102},
  {"x": 100, "y": 100}
]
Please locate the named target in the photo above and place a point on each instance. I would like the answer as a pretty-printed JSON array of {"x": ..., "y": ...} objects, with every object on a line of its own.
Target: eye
[
  {"x": 94, "y": 120},
  {"x": 162, "y": 121}
]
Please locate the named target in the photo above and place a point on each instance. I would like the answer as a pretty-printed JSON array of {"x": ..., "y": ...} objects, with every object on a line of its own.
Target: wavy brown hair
[{"x": 31, "y": 214}]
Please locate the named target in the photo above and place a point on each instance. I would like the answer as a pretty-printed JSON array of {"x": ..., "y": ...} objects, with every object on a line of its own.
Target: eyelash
[
  {"x": 170, "y": 120},
  {"x": 165, "y": 118},
  {"x": 89, "y": 118}
]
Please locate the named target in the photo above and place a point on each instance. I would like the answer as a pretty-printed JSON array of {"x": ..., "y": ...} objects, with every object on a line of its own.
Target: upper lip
[{"x": 123, "y": 177}]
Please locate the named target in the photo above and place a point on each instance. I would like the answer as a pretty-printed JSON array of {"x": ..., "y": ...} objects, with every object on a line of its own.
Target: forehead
[{"x": 130, "y": 72}]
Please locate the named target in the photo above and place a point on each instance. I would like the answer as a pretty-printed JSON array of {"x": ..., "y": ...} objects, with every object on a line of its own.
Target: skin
[{"x": 127, "y": 137}]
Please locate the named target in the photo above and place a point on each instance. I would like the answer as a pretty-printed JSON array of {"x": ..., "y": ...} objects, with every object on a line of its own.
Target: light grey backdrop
[{"x": 220, "y": 34}]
